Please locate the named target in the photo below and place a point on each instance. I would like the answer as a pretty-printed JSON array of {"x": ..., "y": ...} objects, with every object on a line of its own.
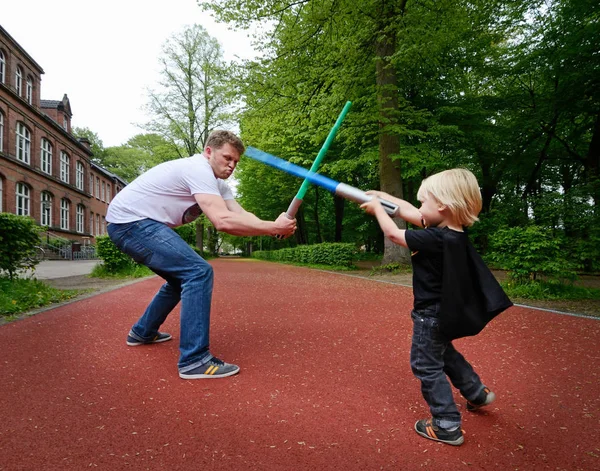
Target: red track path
[{"x": 325, "y": 384}]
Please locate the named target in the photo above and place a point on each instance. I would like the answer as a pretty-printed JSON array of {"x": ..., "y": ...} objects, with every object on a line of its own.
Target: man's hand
[{"x": 284, "y": 226}]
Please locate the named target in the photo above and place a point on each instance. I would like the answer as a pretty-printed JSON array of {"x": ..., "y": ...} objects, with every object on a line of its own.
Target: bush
[
  {"x": 114, "y": 260},
  {"x": 19, "y": 236},
  {"x": 531, "y": 253},
  {"x": 334, "y": 254}
]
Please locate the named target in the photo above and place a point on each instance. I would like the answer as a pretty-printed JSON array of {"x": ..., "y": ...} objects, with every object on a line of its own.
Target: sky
[{"x": 104, "y": 54}]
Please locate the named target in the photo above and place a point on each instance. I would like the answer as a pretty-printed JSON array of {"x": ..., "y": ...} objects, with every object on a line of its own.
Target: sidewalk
[{"x": 50, "y": 269}]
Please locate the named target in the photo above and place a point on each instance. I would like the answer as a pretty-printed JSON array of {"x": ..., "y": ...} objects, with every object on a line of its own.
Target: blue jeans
[
  {"x": 433, "y": 360},
  {"x": 189, "y": 279}
]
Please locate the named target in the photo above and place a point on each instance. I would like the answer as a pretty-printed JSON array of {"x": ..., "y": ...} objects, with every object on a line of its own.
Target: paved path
[
  {"x": 325, "y": 384},
  {"x": 49, "y": 269}
]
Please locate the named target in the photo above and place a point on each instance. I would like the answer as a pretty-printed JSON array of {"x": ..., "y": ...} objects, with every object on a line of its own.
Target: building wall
[{"x": 16, "y": 109}]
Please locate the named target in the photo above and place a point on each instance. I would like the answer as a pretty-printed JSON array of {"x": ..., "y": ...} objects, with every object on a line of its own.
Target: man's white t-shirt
[{"x": 165, "y": 193}]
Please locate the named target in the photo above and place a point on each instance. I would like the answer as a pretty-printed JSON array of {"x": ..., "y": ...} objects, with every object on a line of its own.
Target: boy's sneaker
[
  {"x": 160, "y": 337},
  {"x": 213, "y": 368},
  {"x": 485, "y": 397},
  {"x": 427, "y": 429}
]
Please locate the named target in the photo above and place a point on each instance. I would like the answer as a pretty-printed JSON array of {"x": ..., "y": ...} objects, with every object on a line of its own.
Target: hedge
[{"x": 336, "y": 254}]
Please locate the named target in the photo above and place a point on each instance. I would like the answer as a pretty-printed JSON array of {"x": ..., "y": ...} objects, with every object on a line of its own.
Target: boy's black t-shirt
[{"x": 447, "y": 269}]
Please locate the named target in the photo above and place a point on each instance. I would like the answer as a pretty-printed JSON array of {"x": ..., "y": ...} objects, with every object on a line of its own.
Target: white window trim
[
  {"x": 79, "y": 175},
  {"x": 79, "y": 218},
  {"x": 23, "y": 143},
  {"x": 23, "y": 200},
  {"x": 64, "y": 214},
  {"x": 46, "y": 209},
  {"x": 29, "y": 90},
  {"x": 46, "y": 156},
  {"x": 19, "y": 81},
  {"x": 65, "y": 166}
]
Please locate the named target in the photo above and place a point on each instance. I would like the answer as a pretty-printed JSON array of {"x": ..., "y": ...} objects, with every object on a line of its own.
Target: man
[{"x": 141, "y": 218}]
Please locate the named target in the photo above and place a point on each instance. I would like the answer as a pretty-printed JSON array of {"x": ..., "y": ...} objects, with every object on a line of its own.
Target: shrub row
[{"x": 336, "y": 254}]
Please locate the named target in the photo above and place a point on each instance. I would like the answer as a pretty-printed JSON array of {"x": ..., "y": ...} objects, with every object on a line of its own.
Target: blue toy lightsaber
[{"x": 341, "y": 189}]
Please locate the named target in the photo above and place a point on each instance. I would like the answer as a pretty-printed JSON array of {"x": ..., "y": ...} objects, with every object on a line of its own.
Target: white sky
[{"x": 104, "y": 53}]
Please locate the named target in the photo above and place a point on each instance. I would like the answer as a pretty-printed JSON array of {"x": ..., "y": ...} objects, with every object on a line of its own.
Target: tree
[{"x": 193, "y": 98}]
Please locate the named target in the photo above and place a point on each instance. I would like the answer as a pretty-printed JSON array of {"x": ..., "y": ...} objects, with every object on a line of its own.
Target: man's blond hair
[
  {"x": 458, "y": 190},
  {"x": 218, "y": 139}
]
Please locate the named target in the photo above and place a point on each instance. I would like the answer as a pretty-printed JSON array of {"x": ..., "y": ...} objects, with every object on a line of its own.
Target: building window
[
  {"x": 92, "y": 223},
  {"x": 65, "y": 122},
  {"x": 2, "y": 66},
  {"x": 64, "y": 166},
  {"x": 91, "y": 191},
  {"x": 46, "y": 209},
  {"x": 29, "y": 90},
  {"x": 97, "y": 224},
  {"x": 19, "y": 81},
  {"x": 108, "y": 193},
  {"x": 23, "y": 143},
  {"x": 64, "y": 214},
  {"x": 97, "y": 187},
  {"x": 1, "y": 132},
  {"x": 22, "y": 194},
  {"x": 103, "y": 191},
  {"x": 1, "y": 195},
  {"x": 46, "y": 156},
  {"x": 79, "y": 176},
  {"x": 79, "y": 218}
]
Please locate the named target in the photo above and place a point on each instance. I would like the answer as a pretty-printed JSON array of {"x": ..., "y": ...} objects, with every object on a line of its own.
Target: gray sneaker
[
  {"x": 160, "y": 337},
  {"x": 213, "y": 368},
  {"x": 484, "y": 398}
]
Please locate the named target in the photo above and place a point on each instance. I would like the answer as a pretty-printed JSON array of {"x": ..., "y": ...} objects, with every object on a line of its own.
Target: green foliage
[
  {"x": 18, "y": 240},
  {"x": 336, "y": 254},
  {"x": 133, "y": 270},
  {"x": 20, "y": 295},
  {"x": 391, "y": 268},
  {"x": 541, "y": 290},
  {"x": 187, "y": 232},
  {"x": 113, "y": 259},
  {"x": 531, "y": 253}
]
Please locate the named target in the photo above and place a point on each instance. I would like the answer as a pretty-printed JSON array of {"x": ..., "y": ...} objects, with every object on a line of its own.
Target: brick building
[{"x": 45, "y": 171}]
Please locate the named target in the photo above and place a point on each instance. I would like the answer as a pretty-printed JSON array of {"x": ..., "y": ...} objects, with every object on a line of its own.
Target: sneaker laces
[{"x": 216, "y": 361}]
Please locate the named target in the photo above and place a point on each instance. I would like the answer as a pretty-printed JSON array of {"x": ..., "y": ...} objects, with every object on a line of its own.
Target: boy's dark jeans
[{"x": 433, "y": 360}]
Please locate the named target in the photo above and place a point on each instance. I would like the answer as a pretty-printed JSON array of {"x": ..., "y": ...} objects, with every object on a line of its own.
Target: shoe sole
[
  {"x": 137, "y": 344},
  {"x": 204, "y": 376},
  {"x": 457, "y": 442}
]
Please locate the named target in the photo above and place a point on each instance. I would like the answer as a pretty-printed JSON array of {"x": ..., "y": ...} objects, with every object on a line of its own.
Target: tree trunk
[
  {"x": 592, "y": 164},
  {"x": 200, "y": 234},
  {"x": 387, "y": 94},
  {"x": 339, "y": 204}
]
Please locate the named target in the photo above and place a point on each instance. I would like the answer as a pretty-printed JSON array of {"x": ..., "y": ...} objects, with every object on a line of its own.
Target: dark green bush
[
  {"x": 114, "y": 260},
  {"x": 531, "y": 253},
  {"x": 19, "y": 236},
  {"x": 334, "y": 254}
]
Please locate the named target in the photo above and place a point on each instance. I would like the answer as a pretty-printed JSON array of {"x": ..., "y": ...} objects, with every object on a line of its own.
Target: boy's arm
[
  {"x": 388, "y": 226},
  {"x": 405, "y": 211}
]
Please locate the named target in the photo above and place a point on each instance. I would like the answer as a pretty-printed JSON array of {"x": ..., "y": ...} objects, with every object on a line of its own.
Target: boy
[{"x": 455, "y": 294}]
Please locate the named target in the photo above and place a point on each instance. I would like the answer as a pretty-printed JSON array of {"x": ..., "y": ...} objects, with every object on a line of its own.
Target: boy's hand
[{"x": 372, "y": 206}]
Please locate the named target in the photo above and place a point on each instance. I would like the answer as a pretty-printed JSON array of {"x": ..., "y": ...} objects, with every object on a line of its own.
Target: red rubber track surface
[{"x": 325, "y": 384}]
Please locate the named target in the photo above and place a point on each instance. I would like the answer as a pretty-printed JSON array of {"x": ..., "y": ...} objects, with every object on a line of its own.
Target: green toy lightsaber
[{"x": 297, "y": 201}]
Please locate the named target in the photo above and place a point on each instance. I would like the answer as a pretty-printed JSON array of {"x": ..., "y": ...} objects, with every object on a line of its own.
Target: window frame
[
  {"x": 65, "y": 167},
  {"x": 46, "y": 156},
  {"x": 79, "y": 175},
  {"x": 19, "y": 80},
  {"x": 80, "y": 218},
  {"x": 22, "y": 199},
  {"x": 23, "y": 143},
  {"x": 45, "y": 209},
  {"x": 29, "y": 90},
  {"x": 65, "y": 206}
]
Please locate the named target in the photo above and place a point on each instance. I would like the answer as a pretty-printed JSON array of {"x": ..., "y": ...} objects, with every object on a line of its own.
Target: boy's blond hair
[{"x": 458, "y": 190}]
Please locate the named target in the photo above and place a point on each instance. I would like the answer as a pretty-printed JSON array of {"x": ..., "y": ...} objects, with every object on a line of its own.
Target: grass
[
  {"x": 21, "y": 295},
  {"x": 128, "y": 271}
]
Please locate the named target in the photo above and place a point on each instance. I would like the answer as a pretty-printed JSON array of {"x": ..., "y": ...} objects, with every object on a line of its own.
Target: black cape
[{"x": 471, "y": 295}]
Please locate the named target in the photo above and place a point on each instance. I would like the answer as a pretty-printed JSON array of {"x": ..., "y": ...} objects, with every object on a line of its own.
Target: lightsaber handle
[{"x": 358, "y": 196}]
